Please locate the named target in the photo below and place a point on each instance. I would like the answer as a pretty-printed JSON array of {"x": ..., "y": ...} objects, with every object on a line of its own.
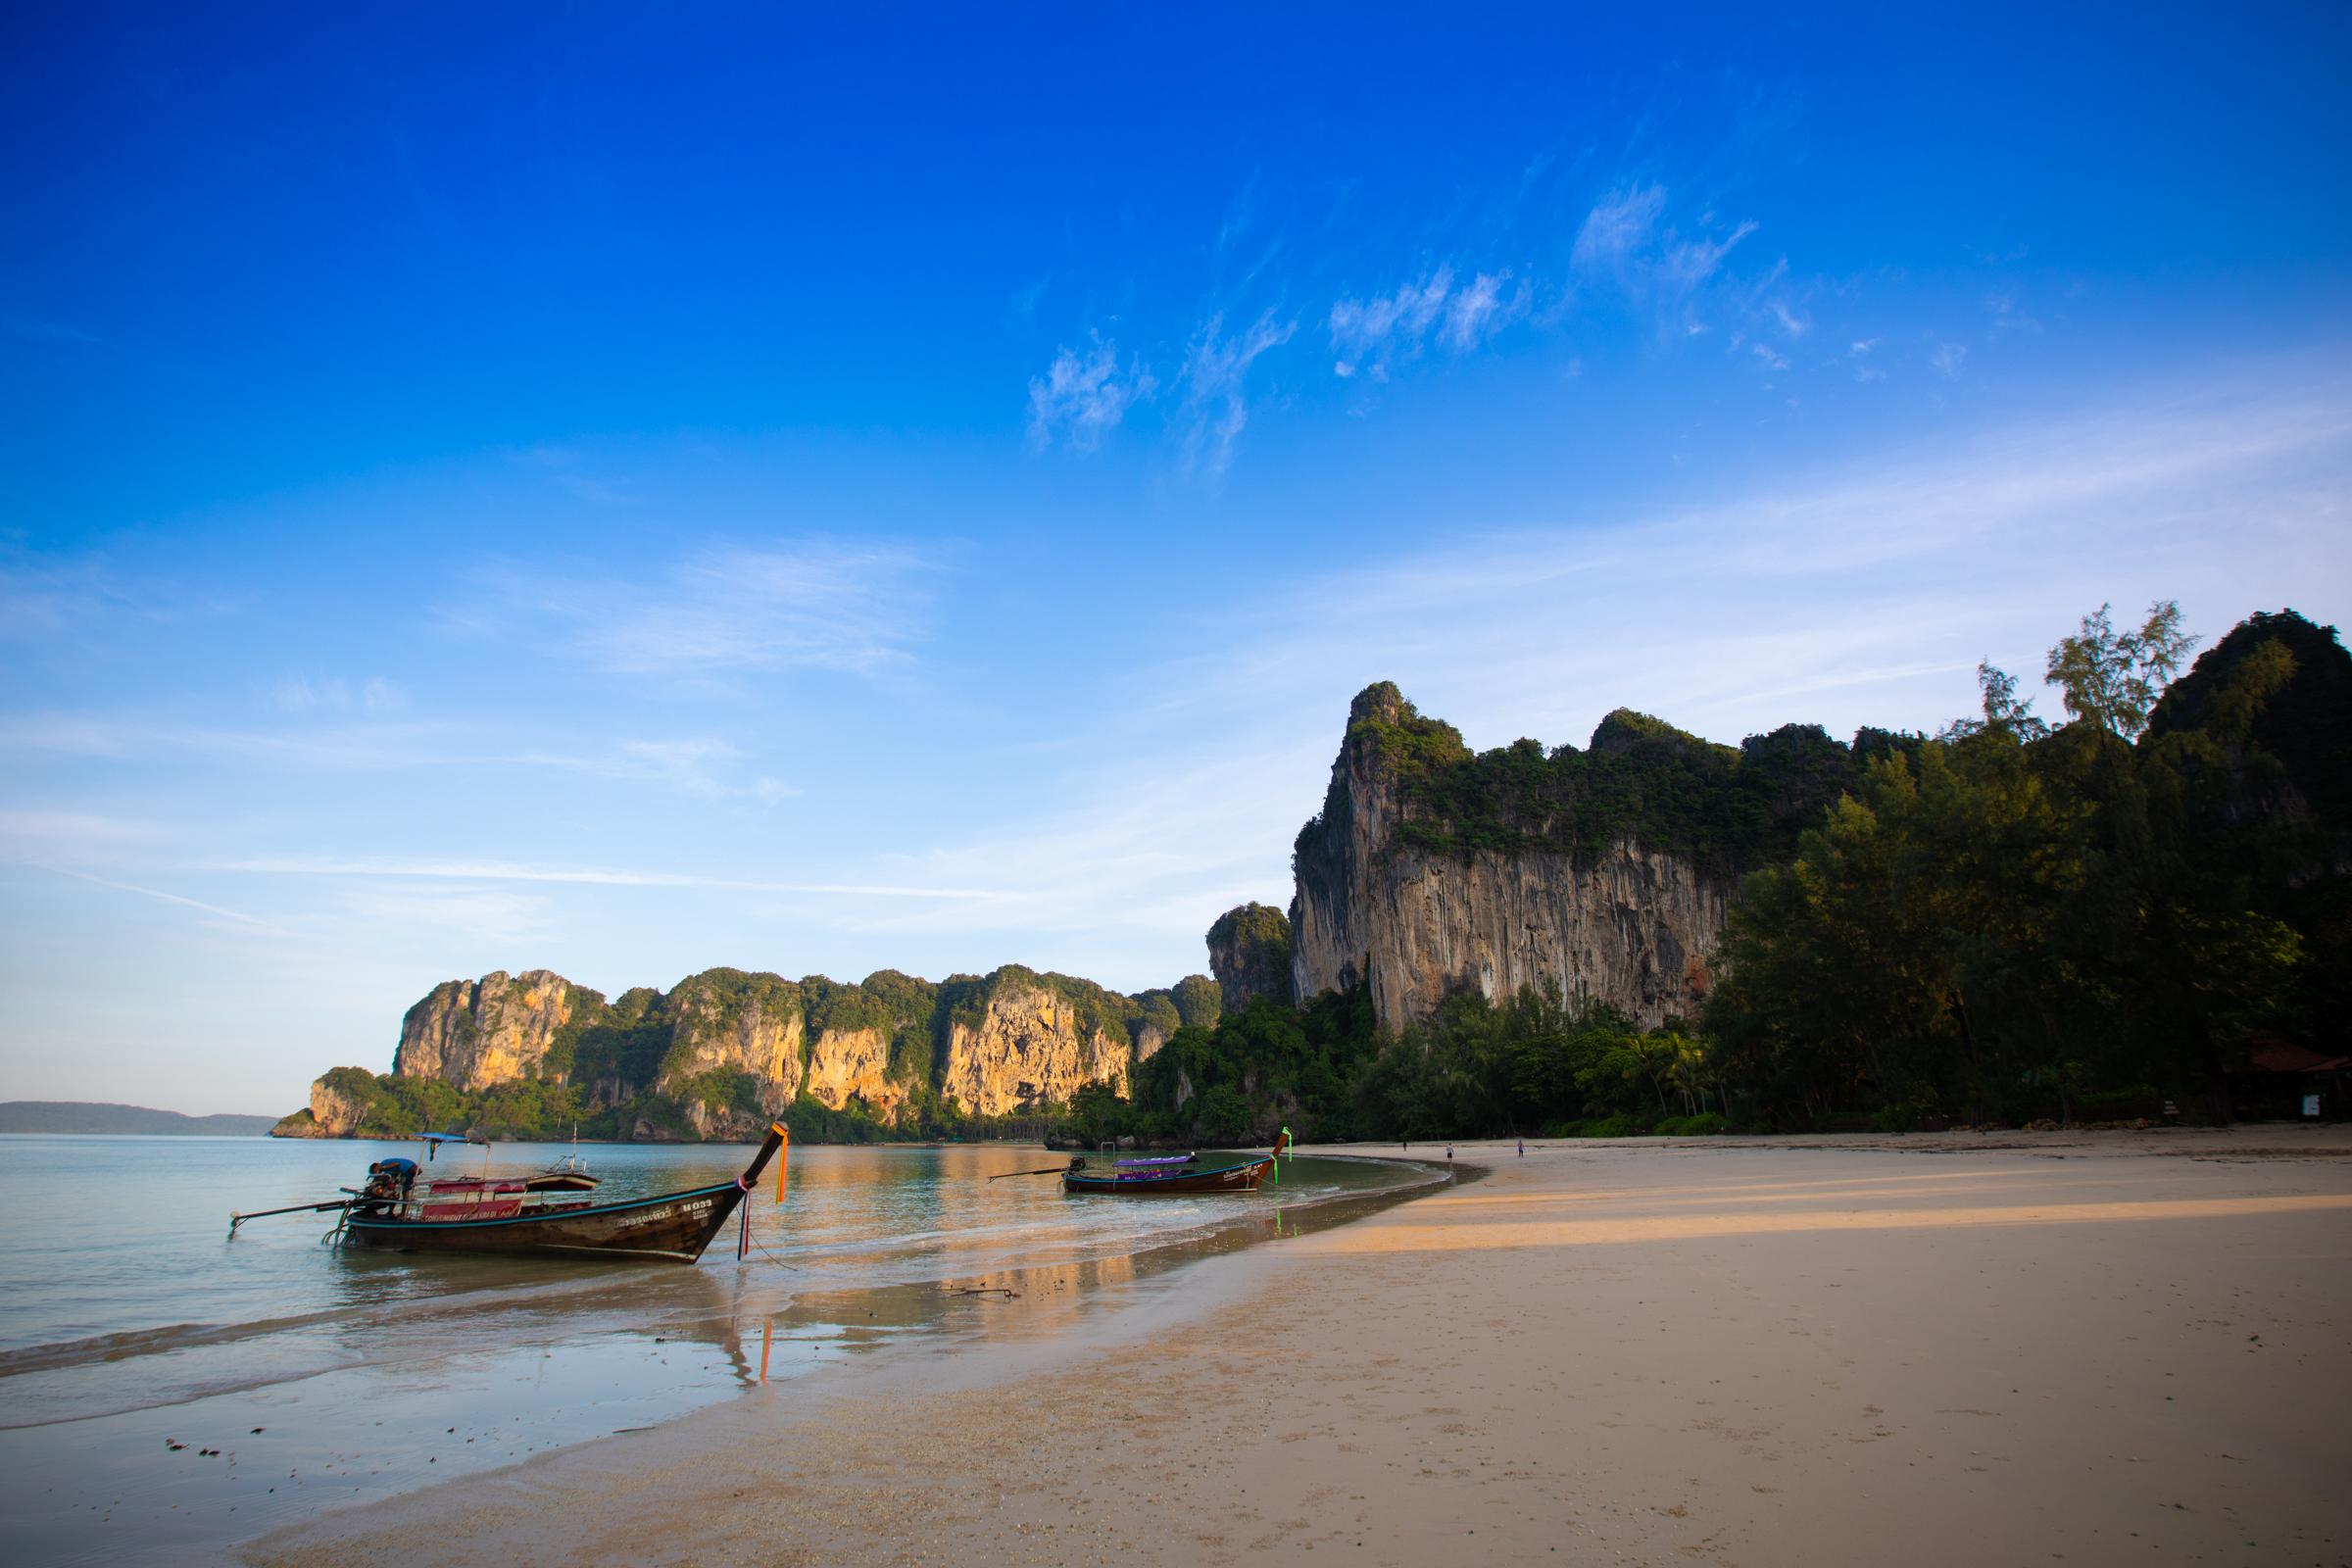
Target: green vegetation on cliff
[
  {"x": 2017, "y": 913},
  {"x": 1249, "y": 952},
  {"x": 2006, "y": 920},
  {"x": 1725, "y": 810}
]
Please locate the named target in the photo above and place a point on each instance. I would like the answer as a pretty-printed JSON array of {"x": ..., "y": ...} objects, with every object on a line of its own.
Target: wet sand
[{"x": 2036, "y": 1348}]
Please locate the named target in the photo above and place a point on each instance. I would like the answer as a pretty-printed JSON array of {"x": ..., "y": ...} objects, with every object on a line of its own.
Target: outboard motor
[{"x": 389, "y": 1180}]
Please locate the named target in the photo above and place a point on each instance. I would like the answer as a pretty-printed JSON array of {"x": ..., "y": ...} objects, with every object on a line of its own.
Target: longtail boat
[
  {"x": 1173, "y": 1176},
  {"x": 512, "y": 1216}
]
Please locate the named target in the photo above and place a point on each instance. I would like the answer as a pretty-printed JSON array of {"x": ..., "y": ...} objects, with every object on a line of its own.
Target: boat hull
[
  {"x": 1243, "y": 1178},
  {"x": 672, "y": 1228}
]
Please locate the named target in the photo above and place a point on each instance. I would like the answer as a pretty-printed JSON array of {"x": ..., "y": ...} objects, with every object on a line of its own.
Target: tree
[
  {"x": 2004, "y": 713},
  {"x": 2113, "y": 678}
]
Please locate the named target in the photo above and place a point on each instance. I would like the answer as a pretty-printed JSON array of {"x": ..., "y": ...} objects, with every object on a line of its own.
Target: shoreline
[
  {"x": 1730, "y": 1349},
  {"x": 107, "y": 1465}
]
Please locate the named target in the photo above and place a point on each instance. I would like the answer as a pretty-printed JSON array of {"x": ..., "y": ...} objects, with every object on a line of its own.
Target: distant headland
[{"x": 88, "y": 1117}]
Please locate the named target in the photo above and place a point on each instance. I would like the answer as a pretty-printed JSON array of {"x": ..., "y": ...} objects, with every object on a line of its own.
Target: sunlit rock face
[
  {"x": 724, "y": 1050},
  {"x": 846, "y": 1065},
  {"x": 1025, "y": 1045},
  {"x": 471, "y": 1034},
  {"x": 728, "y": 1021},
  {"x": 1628, "y": 927},
  {"x": 333, "y": 1114}
]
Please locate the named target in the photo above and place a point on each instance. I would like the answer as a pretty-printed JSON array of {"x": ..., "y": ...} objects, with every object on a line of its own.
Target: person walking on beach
[
  {"x": 1522, "y": 1149},
  {"x": 1449, "y": 1153}
]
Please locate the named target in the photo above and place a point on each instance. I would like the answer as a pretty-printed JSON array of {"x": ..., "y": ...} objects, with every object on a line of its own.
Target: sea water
[{"x": 165, "y": 1386}]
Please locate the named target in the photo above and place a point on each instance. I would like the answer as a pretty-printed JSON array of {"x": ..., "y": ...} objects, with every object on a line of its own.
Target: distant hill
[{"x": 80, "y": 1116}]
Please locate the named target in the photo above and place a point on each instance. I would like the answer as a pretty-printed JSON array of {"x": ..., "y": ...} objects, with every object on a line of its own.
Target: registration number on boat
[{"x": 670, "y": 1210}]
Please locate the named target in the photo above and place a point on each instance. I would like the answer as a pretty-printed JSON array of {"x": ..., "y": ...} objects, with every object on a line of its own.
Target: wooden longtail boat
[
  {"x": 1153, "y": 1179},
  {"x": 515, "y": 1217},
  {"x": 673, "y": 1227}
]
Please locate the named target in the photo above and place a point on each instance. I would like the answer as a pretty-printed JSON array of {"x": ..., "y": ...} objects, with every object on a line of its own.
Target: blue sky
[{"x": 486, "y": 487}]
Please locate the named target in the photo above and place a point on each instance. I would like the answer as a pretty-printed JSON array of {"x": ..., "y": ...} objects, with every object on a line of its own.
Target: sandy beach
[{"x": 2030, "y": 1347}]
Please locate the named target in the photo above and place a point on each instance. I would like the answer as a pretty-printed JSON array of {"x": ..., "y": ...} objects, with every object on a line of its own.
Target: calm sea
[{"x": 131, "y": 1321}]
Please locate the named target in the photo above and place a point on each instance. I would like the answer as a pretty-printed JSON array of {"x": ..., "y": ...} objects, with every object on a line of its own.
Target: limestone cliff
[
  {"x": 1023, "y": 1041},
  {"x": 473, "y": 1034},
  {"x": 1249, "y": 954},
  {"x": 1400, "y": 890},
  {"x": 334, "y": 1112},
  {"x": 724, "y": 1050},
  {"x": 726, "y": 1021},
  {"x": 849, "y": 1065}
]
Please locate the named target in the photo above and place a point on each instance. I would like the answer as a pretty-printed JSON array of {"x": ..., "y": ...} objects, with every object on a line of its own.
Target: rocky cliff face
[
  {"x": 1629, "y": 927},
  {"x": 1027, "y": 1044},
  {"x": 724, "y": 1050},
  {"x": 332, "y": 1113},
  {"x": 472, "y": 1034},
  {"x": 1249, "y": 954},
  {"x": 726, "y": 1021},
  {"x": 854, "y": 1064}
]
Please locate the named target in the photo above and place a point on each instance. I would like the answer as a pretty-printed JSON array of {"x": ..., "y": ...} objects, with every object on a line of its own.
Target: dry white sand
[{"x": 2080, "y": 1349}]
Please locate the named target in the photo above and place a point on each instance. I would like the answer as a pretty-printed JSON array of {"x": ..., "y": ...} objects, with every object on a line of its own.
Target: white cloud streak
[
  {"x": 1082, "y": 398},
  {"x": 335, "y": 695},
  {"x": 1864, "y": 594},
  {"x": 798, "y": 604},
  {"x": 465, "y": 870},
  {"x": 1216, "y": 401},
  {"x": 1657, "y": 265},
  {"x": 159, "y": 894},
  {"x": 1373, "y": 334}
]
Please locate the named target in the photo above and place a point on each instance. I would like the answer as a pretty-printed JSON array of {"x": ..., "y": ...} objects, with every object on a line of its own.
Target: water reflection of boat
[
  {"x": 396, "y": 1213},
  {"x": 1173, "y": 1177}
]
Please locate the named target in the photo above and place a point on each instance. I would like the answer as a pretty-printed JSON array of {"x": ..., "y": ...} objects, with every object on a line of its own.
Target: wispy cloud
[
  {"x": 700, "y": 767},
  {"x": 2007, "y": 316},
  {"x": 44, "y": 598},
  {"x": 1618, "y": 227},
  {"x": 572, "y": 470},
  {"x": 480, "y": 917},
  {"x": 46, "y": 836},
  {"x": 1948, "y": 358},
  {"x": 1625, "y": 239},
  {"x": 162, "y": 896},
  {"x": 1082, "y": 398},
  {"x": 1216, "y": 397},
  {"x": 1794, "y": 322},
  {"x": 1372, "y": 334},
  {"x": 336, "y": 694},
  {"x": 472, "y": 870},
  {"x": 855, "y": 607},
  {"x": 1864, "y": 592}
]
